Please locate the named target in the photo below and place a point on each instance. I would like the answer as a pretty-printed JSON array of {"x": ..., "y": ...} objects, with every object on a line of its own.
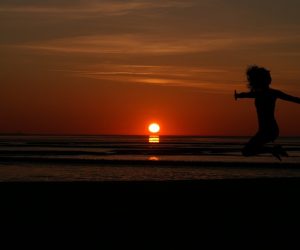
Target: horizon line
[{"x": 180, "y": 135}]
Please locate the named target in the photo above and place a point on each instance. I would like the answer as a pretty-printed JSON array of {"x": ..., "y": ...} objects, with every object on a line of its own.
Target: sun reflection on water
[
  {"x": 153, "y": 139},
  {"x": 153, "y": 158}
]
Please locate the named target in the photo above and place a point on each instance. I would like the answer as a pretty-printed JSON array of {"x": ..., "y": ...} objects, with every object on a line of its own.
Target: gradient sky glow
[{"x": 113, "y": 67}]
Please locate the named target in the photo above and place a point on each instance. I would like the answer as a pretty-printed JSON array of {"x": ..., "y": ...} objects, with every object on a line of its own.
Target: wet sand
[{"x": 71, "y": 170}]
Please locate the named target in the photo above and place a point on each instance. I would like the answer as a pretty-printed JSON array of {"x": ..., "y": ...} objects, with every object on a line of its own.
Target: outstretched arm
[
  {"x": 287, "y": 97},
  {"x": 243, "y": 95}
]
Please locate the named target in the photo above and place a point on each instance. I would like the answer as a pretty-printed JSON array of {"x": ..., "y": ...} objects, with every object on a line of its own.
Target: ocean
[{"x": 139, "y": 158}]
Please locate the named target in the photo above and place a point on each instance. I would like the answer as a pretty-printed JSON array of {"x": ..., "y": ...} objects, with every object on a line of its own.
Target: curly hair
[{"x": 258, "y": 77}]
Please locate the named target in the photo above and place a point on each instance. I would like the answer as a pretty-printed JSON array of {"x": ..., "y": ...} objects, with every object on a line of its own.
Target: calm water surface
[{"x": 101, "y": 158}]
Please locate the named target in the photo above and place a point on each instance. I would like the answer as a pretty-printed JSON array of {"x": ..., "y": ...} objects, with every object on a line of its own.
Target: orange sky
[{"x": 112, "y": 67}]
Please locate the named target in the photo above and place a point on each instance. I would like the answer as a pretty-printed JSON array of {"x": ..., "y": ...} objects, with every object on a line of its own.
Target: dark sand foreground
[
  {"x": 267, "y": 198},
  {"x": 147, "y": 213}
]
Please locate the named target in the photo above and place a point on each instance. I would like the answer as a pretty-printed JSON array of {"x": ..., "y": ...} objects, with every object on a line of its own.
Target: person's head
[{"x": 258, "y": 78}]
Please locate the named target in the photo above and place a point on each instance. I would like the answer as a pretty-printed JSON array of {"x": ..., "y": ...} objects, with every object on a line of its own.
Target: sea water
[{"x": 100, "y": 158}]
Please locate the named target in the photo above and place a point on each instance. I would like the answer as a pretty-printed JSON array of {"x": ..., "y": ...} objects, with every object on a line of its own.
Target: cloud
[
  {"x": 214, "y": 80},
  {"x": 144, "y": 46},
  {"x": 157, "y": 71},
  {"x": 90, "y": 7},
  {"x": 148, "y": 44}
]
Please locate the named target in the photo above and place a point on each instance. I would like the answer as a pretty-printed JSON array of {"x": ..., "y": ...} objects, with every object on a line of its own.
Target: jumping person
[{"x": 259, "y": 80}]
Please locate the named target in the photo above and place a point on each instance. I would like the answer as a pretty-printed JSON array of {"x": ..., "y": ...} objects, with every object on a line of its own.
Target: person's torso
[{"x": 265, "y": 107}]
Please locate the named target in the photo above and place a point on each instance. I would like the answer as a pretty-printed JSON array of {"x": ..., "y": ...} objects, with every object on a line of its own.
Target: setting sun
[{"x": 154, "y": 128}]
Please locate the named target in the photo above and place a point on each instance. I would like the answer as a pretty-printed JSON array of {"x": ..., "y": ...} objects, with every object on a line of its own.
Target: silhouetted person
[{"x": 259, "y": 80}]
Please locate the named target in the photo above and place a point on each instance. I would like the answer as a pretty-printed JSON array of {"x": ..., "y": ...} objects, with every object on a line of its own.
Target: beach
[
  {"x": 117, "y": 180},
  {"x": 64, "y": 171}
]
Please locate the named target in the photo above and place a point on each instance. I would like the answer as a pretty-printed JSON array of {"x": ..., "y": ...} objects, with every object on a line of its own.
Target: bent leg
[{"x": 256, "y": 145}]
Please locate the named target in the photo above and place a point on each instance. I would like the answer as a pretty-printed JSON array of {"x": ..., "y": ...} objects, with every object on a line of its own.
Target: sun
[{"x": 154, "y": 128}]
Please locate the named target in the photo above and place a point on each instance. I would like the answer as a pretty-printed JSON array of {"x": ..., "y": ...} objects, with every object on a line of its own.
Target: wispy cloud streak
[
  {"x": 145, "y": 44},
  {"x": 90, "y": 7},
  {"x": 205, "y": 79}
]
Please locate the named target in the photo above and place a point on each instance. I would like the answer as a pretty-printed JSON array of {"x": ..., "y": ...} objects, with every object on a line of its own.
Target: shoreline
[{"x": 140, "y": 171}]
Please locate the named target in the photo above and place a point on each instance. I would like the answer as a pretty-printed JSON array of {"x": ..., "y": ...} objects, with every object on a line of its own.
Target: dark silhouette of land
[{"x": 259, "y": 80}]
